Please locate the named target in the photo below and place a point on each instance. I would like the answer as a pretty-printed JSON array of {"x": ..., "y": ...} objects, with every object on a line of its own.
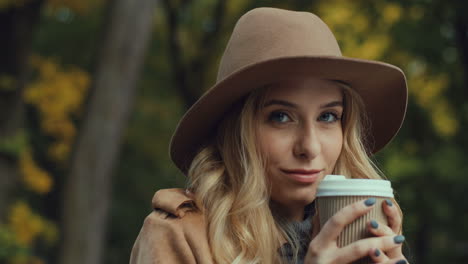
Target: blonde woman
[{"x": 286, "y": 110}]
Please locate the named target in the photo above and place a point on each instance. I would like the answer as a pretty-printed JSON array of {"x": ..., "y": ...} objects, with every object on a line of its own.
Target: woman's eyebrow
[
  {"x": 332, "y": 104},
  {"x": 280, "y": 102}
]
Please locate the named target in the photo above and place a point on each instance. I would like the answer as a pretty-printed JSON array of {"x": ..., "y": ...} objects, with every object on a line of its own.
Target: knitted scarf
[{"x": 303, "y": 229}]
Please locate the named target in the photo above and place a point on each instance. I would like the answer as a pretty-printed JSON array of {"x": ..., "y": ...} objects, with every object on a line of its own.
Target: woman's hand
[
  {"x": 384, "y": 248},
  {"x": 394, "y": 255}
]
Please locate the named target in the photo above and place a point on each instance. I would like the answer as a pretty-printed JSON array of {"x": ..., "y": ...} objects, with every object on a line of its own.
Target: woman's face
[{"x": 300, "y": 136}]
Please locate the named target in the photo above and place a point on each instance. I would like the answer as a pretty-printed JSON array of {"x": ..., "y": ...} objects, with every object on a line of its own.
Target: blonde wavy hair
[{"x": 228, "y": 179}]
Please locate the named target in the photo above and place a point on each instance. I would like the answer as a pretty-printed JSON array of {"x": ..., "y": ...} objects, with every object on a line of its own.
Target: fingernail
[
  {"x": 370, "y": 201},
  {"x": 377, "y": 252},
  {"x": 389, "y": 202},
  {"x": 401, "y": 262},
  {"x": 399, "y": 239},
  {"x": 374, "y": 224}
]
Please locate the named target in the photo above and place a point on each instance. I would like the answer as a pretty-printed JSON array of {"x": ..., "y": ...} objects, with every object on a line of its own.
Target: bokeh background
[{"x": 91, "y": 90}]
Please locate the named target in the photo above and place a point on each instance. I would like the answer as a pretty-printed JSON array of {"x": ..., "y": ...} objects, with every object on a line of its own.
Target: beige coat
[{"x": 175, "y": 232}]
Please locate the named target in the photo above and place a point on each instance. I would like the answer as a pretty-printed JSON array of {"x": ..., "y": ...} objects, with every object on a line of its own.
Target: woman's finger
[
  {"x": 393, "y": 215},
  {"x": 333, "y": 227},
  {"x": 378, "y": 229},
  {"x": 394, "y": 223},
  {"x": 361, "y": 248},
  {"x": 377, "y": 256}
]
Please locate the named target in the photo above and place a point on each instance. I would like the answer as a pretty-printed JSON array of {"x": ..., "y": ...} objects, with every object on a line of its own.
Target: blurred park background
[{"x": 91, "y": 90}]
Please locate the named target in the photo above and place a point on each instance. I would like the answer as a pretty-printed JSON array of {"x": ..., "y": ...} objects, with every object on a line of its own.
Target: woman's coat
[{"x": 175, "y": 232}]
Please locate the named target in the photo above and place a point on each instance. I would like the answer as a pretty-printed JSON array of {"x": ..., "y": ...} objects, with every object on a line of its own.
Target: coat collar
[{"x": 177, "y": 202}]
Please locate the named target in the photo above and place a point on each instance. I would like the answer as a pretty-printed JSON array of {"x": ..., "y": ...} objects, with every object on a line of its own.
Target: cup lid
[{"x": 339, "y": 185}]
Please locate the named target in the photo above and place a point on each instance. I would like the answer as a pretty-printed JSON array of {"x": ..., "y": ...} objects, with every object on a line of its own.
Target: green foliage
[
  {"x": 8, "y": 245},
  {"x": 13, "y": 145}
]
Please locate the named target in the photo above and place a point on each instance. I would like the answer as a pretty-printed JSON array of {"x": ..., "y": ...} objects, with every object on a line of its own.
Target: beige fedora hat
[{"x": 268, "y": 45}]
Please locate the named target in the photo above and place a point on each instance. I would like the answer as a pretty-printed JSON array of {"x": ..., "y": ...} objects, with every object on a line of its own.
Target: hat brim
[{"x": 382, "y": 87}]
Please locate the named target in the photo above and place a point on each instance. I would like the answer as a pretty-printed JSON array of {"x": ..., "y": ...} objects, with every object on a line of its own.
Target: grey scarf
[{"x": 304, "y": 230}]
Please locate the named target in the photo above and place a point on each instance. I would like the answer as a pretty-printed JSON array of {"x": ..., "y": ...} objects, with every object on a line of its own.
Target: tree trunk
[
  {"x": 17, "y": 25},
  {"x": 88, "y": 185}
]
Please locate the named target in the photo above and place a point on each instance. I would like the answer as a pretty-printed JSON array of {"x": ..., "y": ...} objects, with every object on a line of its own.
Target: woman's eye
[
  {"x": 280, "y": 117},
  {"x": 329, "y": 117}
]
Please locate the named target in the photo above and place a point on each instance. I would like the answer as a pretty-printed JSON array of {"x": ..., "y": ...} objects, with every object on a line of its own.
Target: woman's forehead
[{"x": 305, "y": 89}]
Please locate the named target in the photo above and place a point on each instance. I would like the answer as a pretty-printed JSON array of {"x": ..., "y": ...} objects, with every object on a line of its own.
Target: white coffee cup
[{"x": 337, "y": 191}]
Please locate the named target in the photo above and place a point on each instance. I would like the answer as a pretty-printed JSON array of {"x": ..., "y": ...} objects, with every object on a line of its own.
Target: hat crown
[{"x": 268, "y": 33}]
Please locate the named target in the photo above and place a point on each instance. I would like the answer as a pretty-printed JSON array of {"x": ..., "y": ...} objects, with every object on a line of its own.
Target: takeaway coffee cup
[{"x": 336, "y": 192}]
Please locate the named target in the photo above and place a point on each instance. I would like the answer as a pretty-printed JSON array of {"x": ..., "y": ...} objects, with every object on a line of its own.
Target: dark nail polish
[
  {"x": 401, "y": 262},
  {"x": 377, "y": 252},
  {"x": 399, "y": 239},
  {"x": 389, "y": 202},
  {"x": 370, "y": 201},
  {"x": 374, "y": 224}
]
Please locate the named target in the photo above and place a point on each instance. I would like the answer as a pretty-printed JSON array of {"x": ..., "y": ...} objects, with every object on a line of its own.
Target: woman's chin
[
  {"x": 296, "y": 197},
  {"x": 306, "y": 196}
]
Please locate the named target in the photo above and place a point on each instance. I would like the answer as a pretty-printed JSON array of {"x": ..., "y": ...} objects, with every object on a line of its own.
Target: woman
[{"x": 286, "y": 110}]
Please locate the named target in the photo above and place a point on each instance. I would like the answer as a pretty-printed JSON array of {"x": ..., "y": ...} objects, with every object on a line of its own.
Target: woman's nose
[{"x": 307, "y": 145}]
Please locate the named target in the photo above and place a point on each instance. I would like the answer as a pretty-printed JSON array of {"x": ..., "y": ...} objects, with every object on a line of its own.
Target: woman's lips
[{"x": 303, "y": 176}]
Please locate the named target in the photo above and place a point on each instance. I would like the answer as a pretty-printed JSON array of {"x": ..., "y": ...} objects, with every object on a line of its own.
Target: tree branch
[
  {"x": 17, "y": 27},
  {"x": 461, "y": 33},
  {"x": 179, "y": 73},
  {"x": 207, "y": 45}
]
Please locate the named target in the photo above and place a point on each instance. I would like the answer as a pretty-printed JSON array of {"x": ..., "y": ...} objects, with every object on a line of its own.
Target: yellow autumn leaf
[
  {"x": 444, "y": 119},
  {"x": 391, "y": 12},
  {"x": 24, "y": 223},
  {"x": 35, "y": 178},
  {"x": 58, "y": 94}
]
